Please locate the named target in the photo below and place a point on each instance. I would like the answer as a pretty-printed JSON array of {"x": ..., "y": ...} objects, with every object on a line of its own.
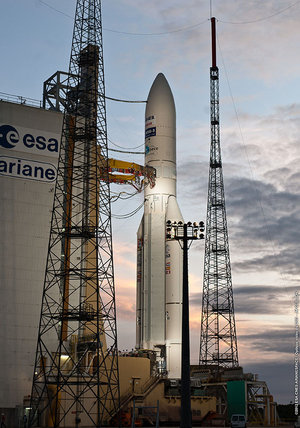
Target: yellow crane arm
[{"x": 123, "y": 172}]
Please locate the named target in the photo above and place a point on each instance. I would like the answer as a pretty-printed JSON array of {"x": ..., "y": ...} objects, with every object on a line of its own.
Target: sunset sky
[{"x": 258, "y": 56}]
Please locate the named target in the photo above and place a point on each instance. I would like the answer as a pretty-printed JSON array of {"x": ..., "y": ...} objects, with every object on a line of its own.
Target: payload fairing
[{"x": 159, "y": 262}]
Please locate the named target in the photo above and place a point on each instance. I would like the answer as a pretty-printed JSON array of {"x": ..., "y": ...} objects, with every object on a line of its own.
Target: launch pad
[{"x": 142, "y": 376}]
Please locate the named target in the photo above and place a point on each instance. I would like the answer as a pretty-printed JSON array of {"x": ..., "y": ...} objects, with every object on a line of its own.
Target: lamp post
[{"x": 183, "y": 233}]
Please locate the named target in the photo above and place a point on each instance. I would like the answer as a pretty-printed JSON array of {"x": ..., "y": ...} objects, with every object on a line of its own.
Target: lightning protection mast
[
  {"x": 218, "y": 343},
  {"x": 76, "y": 368}
]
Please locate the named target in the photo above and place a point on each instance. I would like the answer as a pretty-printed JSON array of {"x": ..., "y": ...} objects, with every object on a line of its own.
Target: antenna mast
[{"x": 218, "y": 343}]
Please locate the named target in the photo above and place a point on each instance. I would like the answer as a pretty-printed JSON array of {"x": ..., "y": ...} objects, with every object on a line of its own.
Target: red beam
[{"x": 213, "y": 42}]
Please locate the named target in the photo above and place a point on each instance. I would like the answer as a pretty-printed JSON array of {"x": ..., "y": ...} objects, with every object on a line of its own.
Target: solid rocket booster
[{"x": 159, "y": 262}]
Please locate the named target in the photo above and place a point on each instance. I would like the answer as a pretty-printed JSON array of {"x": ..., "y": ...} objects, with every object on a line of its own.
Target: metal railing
[
  {"x": 146, "y": 387},
  {"x": 17, "y": 99}
]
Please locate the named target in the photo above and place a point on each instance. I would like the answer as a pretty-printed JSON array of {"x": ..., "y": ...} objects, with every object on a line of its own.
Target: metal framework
[
  {"x": 55, "y": 91},
  {"x": 218, "y": 343},
  {"x": 260, "y": 409},
  {"x": 76, "y": 368}
]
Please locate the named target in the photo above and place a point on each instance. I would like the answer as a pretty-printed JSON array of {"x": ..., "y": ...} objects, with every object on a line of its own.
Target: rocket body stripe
[{"x": 159, "y": 269}]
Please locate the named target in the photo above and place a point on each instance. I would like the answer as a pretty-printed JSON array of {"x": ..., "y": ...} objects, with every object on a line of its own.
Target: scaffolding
[{"x": 76, "y": 367}]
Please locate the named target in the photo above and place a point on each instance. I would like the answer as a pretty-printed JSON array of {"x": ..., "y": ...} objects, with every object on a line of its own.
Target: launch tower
[
  {"x": 76, "y": 369},
  {"x": 218, "y": 343}
]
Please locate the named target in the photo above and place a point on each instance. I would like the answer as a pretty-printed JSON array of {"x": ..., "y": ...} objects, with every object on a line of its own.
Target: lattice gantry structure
[
  {"x": 218, "y": 343},
  {"x": 76, "y": 367}
]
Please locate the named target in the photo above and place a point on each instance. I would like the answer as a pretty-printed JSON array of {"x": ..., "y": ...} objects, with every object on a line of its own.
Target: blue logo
[
  {"x": 9, "y": 136},
  {"x": 147, "y": 150},
  {"x": 150, "y": 132}
]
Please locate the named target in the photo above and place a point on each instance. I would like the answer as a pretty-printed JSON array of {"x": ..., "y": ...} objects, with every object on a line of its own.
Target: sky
[{"x": 258, "y": 48}]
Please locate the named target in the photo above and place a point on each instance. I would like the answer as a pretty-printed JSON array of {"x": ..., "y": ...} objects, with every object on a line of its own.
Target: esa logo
[
  {"x": 9, "y": 136},
  {"x": 150, "y": 149},
  {"x": 10, "y": 139}
]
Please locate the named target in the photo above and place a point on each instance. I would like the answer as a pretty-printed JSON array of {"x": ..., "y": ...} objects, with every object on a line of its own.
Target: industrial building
[{"x": 29, "y": 145}]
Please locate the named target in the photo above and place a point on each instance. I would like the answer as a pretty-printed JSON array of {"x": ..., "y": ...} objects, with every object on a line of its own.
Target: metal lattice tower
[
  {"x": 76, "y": 368},
  {"x": 218, "y": 343}
]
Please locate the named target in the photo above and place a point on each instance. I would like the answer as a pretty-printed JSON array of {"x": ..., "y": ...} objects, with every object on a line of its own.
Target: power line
[
  {"x": 282, "y": 275},
  {"x": 261, "y": 19},
  {"x": 177, "y": 30},
  {"x": 56, "y": 10}
]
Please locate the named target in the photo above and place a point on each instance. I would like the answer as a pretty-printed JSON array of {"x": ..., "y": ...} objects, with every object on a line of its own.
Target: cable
[
  {"x": 119, "y": 196},
  {"x": 128, "y": 215},
  {"x": 283, "y": 277},
  {"x": 132, "y": 148},
  {"x": 126, "y": 151},
  {"x": 56, "y": 10},
  {"x": 122, "y": 101},
  {"x": 188, "y": 28},
  {"x": 261, "y": 19},
  {"x": 131, "y": 34},
  {"x": 158, "y": 34}
]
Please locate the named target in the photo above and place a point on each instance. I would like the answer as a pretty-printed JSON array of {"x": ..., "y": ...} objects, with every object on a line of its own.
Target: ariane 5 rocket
[{"x": 159, "y": 262}]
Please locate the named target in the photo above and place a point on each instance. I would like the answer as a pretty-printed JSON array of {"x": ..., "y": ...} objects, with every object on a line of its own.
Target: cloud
[
  {"x": 246, "y": 291},
  {"x": 255, "y": 299},
  {"x": 248, "y": 51},
  {"x": 121, "y": 254},
  {"x": 246, "y": 48},
  {"x": 268, "y": 220},
  {"x": 126, "y": 308},
  {"x": 285, "y": 262},
  {"x": 196, "y": 299},
  {"x": 263, "y": 299},
  {"x": 281, "y": 340},
  {"x": 125, "y": 298},
  {"x": 266, "y": 140},
  {"x": 260, "y": 216}
]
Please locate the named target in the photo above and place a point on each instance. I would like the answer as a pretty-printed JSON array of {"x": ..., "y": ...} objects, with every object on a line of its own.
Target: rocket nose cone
[
  {"x": 161, "y": 77},
  {"x": 160, "y": 88}
]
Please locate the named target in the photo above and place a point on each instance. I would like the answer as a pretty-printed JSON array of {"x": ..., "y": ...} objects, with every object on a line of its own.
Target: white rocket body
[{"x": 159, "y": 262}]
